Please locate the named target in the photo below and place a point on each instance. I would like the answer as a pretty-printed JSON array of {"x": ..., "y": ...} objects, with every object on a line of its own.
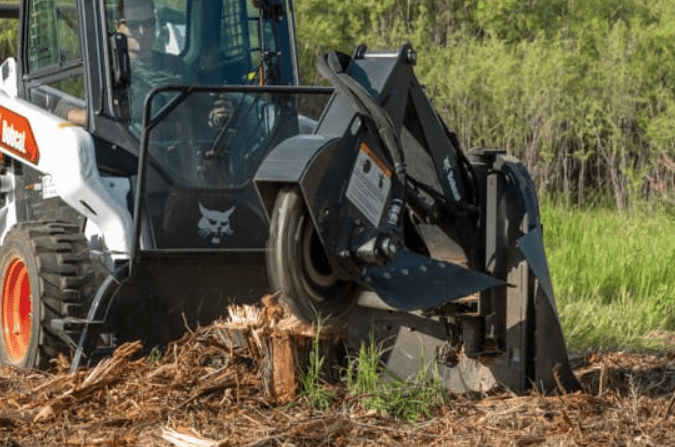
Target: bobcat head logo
[{"x": 213, "y": 225}]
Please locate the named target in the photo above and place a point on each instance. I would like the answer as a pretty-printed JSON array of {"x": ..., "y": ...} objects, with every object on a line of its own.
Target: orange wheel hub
[{"x": 16, "y": 310}]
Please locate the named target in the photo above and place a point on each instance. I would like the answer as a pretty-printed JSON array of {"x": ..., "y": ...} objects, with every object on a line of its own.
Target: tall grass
[{"x": 613, "y": 274}]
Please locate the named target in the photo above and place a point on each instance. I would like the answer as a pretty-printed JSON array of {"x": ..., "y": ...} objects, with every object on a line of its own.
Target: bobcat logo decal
[{"x": 213, "y": 225}]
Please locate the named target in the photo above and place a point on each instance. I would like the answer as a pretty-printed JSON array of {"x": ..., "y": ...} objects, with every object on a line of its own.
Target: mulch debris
[{"x": 208, "y": 391}]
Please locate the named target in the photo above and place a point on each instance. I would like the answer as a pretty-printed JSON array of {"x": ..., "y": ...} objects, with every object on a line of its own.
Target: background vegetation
[
  {"x": 9, "y": 30},
  {"x": 581, "y": 91},
  {"x": 613, "y": 275}
]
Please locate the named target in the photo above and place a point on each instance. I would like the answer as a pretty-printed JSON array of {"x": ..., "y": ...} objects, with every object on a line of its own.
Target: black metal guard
[{"x": 149, "y": 122}]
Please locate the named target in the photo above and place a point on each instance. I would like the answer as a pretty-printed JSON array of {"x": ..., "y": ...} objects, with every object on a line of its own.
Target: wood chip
[{"x": 209, "y": 389}]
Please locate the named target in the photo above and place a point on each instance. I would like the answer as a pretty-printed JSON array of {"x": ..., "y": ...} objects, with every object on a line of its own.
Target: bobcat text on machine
[{"x": 161, "y": 160}]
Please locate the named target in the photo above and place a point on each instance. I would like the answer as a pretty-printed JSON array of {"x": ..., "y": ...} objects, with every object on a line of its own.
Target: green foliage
[
  {"x": 9, "y": 30},
  {"x": 327, "y": 25},
  {"x": 154, "y": 355},
  {"x": 513, "y": 20},
  {"x": 614, "y": 275},
  {"x": 581, "y": 91}
]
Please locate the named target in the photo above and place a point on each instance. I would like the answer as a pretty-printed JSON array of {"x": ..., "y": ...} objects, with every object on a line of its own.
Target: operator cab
[
  {"x": 96, "y": 64},
  {"x": 80, "y": 58},
  {"x": 52, "y": 68},
  {"x": 221, "y": 42}
]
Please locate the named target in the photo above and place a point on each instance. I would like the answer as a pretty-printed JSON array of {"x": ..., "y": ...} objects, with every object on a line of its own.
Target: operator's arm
[
  {"x": 74, "y": 114},
  {"x": 77, "y": 116}
]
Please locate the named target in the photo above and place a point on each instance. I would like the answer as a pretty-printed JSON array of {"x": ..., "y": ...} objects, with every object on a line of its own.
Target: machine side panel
[
  {"x": 286, "y": 164},
  {"x": 65, "y": 154}
]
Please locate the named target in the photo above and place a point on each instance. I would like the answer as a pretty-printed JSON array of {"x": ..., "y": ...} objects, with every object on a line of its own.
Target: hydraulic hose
[{"x": 330, "y": 67}]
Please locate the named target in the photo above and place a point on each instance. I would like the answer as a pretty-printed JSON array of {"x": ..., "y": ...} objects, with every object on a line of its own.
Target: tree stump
[{"x": 278, "y": 342}]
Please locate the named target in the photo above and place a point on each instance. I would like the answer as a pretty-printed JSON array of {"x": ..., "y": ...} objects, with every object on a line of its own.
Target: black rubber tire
[
  {"x": 297, "y": 264},
  {"x": 55, "y": 259}
]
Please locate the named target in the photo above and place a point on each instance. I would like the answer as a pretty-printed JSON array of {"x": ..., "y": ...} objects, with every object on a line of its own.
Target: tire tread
[{"x": 66, "y": 279}]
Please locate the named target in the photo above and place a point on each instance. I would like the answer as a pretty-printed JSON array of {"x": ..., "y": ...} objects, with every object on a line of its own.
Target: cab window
[{"x": 54, "y": 57}]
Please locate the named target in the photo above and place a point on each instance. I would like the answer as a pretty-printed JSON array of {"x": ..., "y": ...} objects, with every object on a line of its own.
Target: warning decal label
[{"x": 369, "y": 185}]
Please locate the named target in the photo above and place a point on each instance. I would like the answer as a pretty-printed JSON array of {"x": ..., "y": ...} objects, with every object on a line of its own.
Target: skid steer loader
[{"x": 133, "y": 205}]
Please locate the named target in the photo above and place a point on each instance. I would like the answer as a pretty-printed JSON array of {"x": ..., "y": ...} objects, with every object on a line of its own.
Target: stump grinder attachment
[
  {"x": 168, "y": 197},
  {"x": 381, "y": 209}
]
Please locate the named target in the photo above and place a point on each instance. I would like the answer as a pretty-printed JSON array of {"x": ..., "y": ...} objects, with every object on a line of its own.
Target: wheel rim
[
  {"x": 16, "y": 310},
  {"x": 315, "y": 262}
]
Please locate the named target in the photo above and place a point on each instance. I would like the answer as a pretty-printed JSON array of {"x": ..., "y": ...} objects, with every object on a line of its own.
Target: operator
[{"x": 149, "y": 68}]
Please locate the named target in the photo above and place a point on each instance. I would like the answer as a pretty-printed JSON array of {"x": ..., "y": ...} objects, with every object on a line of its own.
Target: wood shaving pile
[{"x": 206, "y": 391}]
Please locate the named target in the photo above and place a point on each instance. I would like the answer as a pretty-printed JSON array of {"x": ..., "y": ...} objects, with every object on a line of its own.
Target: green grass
[
  {"x": 613, "y": 274},
  {"x": 312, "y": 388},
  {"x": 377, "y": 389},
  {"x": 374, "y": 388}
]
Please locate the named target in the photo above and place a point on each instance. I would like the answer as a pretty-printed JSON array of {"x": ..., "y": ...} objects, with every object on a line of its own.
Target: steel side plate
[
  {"x": 413, "y": 282},
  {"x": 532, "y": 247}
]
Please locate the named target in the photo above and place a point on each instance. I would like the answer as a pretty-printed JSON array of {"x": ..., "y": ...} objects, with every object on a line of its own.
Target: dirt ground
[{"x": 204, "y": 391}]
